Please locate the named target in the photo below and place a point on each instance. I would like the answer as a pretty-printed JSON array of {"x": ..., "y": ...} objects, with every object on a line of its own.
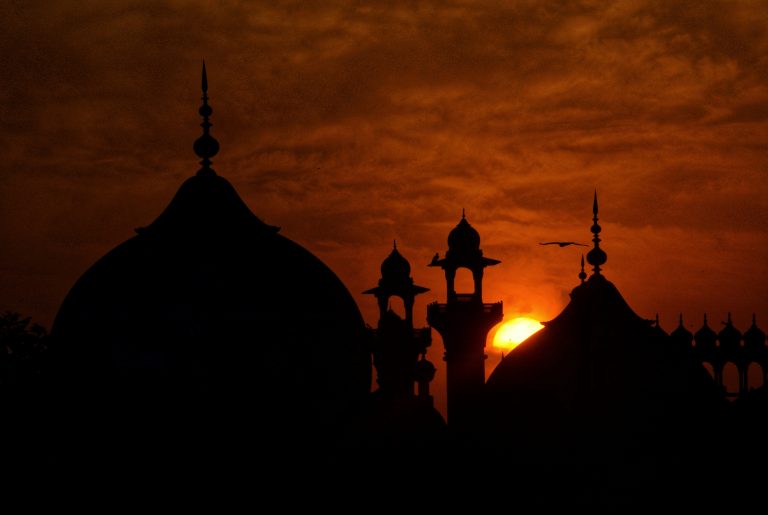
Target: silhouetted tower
[
  {"x": 396, "y": 344},
  {"x": 464, "y": 322}
]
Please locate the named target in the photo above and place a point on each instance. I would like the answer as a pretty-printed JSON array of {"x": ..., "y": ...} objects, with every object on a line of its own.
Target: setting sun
[{"x": 511, "y": 333}]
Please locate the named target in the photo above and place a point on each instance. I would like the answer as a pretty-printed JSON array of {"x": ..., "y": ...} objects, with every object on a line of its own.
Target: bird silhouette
[{"x": 563, "y": 243}]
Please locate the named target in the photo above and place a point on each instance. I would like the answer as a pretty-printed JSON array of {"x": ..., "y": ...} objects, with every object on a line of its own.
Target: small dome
[
  {"x": 463, "y": 238},
  {"x": 754, "y": 338},
  {"x": 395, "y": 266},
  {"x": 681, "y": 336},
  {"x": 705, "y": 337},
  {"x": 730, "y": 337}
]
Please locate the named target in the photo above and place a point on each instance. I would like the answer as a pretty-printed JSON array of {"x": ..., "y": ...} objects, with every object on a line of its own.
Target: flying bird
[{"x": 563, "y": 243}]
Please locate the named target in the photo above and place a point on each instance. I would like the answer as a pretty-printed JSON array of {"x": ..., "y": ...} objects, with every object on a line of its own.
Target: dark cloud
[{"x": 350, "y": 124}]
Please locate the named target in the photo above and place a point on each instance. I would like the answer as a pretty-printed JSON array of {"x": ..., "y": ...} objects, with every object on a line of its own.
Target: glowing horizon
[{"x": 515, "y": 331}]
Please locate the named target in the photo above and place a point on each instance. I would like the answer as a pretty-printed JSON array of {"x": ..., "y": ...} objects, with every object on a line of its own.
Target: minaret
[
  {"x": 396, "y": 344},
  {"x": 463, "y": 322}
]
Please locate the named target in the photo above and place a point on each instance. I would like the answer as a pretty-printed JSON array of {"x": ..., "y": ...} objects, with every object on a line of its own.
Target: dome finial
[
  {"x": 582, "y": 274},
  {"x": 204, "y": 85},
  {"x": 594, "y": 204},
  {"x": 206, "y": 145},
  {"x": 596, "y": 256}
]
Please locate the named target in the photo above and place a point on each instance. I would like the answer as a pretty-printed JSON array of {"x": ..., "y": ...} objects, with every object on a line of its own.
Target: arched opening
[
  {"x": 464, "y": 284},
  {"x": 397, "y": 305},
  {"x": 731, "y": 380},
  {"x": 755, "y": 376},
  {"x": 710, "y": 369}
]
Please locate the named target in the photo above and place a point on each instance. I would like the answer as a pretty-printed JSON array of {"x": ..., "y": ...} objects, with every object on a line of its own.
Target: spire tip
[
  {"x": 206, "y": 145},
  {"x": 594, "y": 204},
  {"x": 596, "y": 256}
]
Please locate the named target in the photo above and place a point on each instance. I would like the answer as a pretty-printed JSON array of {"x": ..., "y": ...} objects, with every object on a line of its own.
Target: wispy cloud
[{"x": 352, "y": 124}]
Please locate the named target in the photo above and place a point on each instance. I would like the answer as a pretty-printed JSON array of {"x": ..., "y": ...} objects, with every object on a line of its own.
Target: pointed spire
[
  {"x": 657, "y": 320},
  {"x": 394, "y": 244},
  {"x": 582, "y": 274},
  {"x": 705, "y": 319},
  {"x": 594, "y": 204},
  {"x": 206, "y": 145},
  {"x": 463, "y": 215},
  {"x": 681, "y": 320},
  {"x": 596, "y": 256}
]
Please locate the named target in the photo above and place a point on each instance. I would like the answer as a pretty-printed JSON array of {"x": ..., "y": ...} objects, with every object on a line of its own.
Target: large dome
[
  {"x": 600, "y": 388},
  {"x": 209, "y": 330},
  {"x": 210, "y": 312}
]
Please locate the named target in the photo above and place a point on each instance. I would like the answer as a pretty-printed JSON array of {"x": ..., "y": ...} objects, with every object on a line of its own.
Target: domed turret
[
  {"x": 464, "y": 240},
  {"x": 681, "y": 337},
  {"x": 706, "y": 339},
  {"x": 730, "y": 340},
  {"x": 754, "y": 337},
  {"x": 395, "y": 267},
  {"x": 463, "y": 322}
]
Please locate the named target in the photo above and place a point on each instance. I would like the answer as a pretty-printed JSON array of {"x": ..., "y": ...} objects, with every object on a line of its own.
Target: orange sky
[{"x": 354, "y": 123}]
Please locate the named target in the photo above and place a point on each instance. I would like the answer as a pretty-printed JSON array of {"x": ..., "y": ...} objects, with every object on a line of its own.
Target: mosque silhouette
[{"x": 185, "y": 350}]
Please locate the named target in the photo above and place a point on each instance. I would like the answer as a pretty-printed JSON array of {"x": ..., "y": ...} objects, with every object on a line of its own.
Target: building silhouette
[
  {"x": 399, "y": 421},
  {"x": 397, "y": 345},
  {"x": 208, "y": 341},
  {"x": 208, "y": 330},
  {"x": 598, "y": 374},
  {"x": 463, "y": 322},
  {"x": 728, "y": 346}
]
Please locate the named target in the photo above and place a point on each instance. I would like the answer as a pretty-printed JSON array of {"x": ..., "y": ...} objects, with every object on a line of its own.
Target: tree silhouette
[{"x": 23, "y": 345}]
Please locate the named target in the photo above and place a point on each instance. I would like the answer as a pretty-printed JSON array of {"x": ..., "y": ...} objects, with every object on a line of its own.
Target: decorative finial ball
[
  {"x": 597, "y": 257},
  {"x": 206, "y": 146},
  {"x": 205, "y": 110}
]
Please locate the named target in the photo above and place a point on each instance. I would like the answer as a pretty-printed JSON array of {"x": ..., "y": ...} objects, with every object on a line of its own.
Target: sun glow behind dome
[{"x": 517, "y": 330}]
